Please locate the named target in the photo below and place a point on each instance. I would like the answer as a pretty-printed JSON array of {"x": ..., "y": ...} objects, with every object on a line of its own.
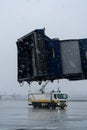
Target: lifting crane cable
[
  {"x": 58, "y": 86},
  {"x": 43, "y": 87}
]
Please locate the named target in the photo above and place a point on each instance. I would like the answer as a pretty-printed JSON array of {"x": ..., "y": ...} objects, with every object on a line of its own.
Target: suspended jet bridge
[{"x": 41, "y": 58}]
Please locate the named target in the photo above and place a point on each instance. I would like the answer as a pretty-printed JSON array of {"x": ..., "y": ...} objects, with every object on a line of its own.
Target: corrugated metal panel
[{"x": 71, "y": 62}]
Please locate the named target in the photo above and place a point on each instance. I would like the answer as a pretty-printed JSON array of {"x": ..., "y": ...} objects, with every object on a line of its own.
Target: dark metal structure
[{"x": 42, "y": 58}]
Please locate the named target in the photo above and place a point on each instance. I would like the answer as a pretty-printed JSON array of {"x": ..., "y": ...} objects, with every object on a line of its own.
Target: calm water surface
[{"x": 17, "y": 115}]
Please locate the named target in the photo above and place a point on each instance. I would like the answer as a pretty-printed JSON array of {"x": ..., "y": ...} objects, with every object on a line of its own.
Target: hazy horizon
[{"x": 62, "y": 19}]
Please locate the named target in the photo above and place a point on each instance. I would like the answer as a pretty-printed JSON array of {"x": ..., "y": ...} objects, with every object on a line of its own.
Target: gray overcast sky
[{"x": 62, "y": 18}]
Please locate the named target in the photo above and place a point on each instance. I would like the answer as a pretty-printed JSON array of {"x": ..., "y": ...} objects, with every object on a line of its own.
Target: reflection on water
[{"x": 17, "y": 115}]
